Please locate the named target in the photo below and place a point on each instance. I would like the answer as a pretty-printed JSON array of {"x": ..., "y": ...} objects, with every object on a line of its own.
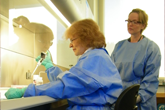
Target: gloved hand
[
  {"x": 47, "y": 61},
  {"x": 138, "y": 99},
  {"x": 13, "y": 93}
]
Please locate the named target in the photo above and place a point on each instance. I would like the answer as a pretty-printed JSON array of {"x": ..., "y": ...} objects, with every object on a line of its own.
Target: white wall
[{"x": 116, "y": 12}]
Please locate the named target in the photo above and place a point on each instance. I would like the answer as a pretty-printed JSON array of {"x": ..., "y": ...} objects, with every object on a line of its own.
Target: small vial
[
  {"x": 35, "y": 77},
  {"x": 39, "y": 81}
]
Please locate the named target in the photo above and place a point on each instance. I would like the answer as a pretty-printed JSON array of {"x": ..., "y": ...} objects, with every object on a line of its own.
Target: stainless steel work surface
[{"x": 24, "y": 103}]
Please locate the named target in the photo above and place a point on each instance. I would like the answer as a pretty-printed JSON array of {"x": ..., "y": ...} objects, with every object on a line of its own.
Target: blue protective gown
[
  {"x": 93, "y": 83},
  {"x": 139, "y": 63}
]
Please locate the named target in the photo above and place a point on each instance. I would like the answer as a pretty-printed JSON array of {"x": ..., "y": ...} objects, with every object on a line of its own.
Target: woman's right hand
[{"x": 47, "y": 62}]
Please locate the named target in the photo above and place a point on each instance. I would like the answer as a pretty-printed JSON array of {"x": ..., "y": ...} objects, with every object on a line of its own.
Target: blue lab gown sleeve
[
  {"x": 53, "y": 72},
  {"x": 93, "y": 81},
  {"x": 150, "y": 80},
  {"x": 139, "y": 63}
]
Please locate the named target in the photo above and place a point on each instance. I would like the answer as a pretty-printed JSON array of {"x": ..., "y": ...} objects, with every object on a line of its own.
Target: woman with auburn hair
[
  {"x": 93, "y": 83},
  {"x": 88, "y": 32}
]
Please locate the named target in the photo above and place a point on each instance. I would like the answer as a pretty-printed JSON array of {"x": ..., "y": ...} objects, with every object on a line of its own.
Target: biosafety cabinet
[{"x": 20, "y": 44}]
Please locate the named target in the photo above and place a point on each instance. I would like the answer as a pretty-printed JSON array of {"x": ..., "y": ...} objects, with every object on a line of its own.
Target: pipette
[{"x": 43, "y": 55}]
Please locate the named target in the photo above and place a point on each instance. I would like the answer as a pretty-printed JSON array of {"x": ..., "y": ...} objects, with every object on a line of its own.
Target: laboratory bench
[
  {"x": 34, "y": 103},
  {"x": 160, "y": 98},
  {"x": 160, "y": 95}
]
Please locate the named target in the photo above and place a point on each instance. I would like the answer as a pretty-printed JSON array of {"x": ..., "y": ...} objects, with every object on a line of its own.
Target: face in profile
[
  {"x": 77, "y": 46},
  {"x": 43, "y": 42}
]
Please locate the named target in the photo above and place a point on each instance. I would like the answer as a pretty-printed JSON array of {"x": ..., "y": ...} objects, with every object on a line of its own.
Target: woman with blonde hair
[{"x": 138, "y": 60}]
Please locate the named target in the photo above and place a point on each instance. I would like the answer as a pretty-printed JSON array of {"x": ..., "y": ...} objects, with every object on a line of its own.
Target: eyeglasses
[
  {"x": 71, "y": 40},
  {"x": 133, "y": 22}
]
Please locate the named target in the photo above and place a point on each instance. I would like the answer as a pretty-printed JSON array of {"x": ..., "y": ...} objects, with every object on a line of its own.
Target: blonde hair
[
  {"x": 143, "y": 17},
  {"x": 89, "y": 33}
]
